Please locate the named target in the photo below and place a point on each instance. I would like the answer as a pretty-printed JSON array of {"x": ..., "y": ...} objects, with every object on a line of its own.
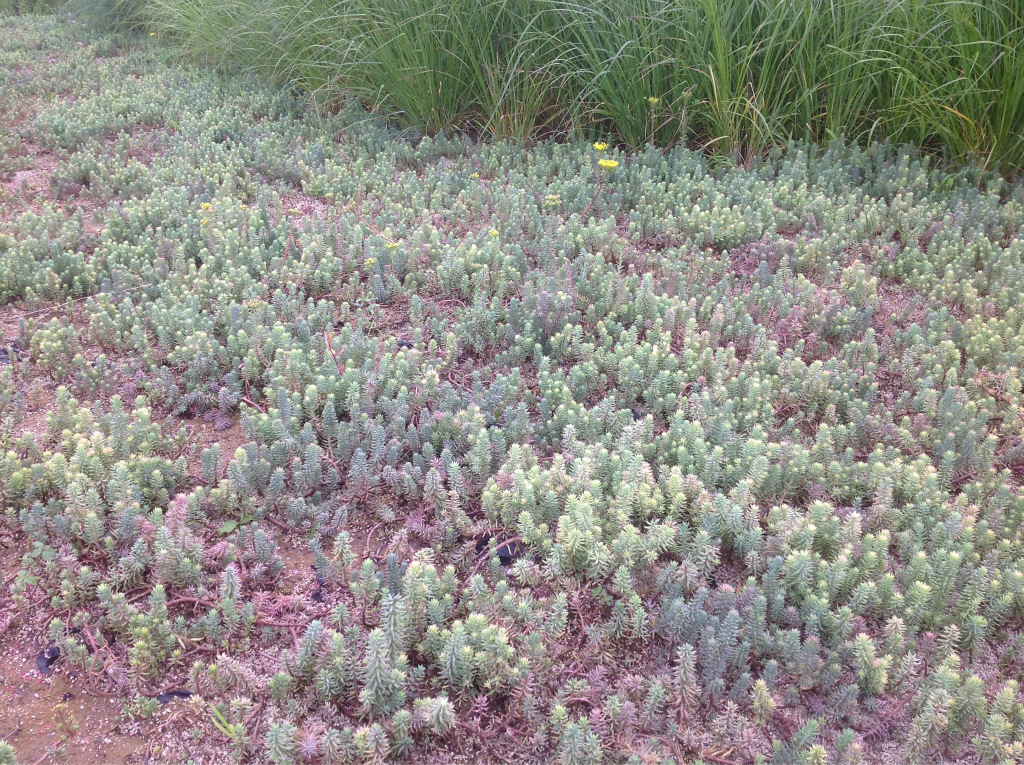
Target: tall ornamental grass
[{"x": 738, "y": 76}]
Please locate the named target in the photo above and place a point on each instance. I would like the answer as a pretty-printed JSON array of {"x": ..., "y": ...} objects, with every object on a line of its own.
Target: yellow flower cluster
[
  {"x": 600, "y": 146},
  {"x": 608, "y": 164}
]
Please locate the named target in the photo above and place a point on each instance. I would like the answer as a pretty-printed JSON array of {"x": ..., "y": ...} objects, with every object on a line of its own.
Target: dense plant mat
[{"x": 318, "y": 444}]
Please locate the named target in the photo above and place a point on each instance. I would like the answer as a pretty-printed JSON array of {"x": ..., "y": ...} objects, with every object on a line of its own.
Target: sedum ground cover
[{"x": 596, "y": 457}]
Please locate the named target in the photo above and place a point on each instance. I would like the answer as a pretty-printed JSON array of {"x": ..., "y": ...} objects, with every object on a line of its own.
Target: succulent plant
[{"x": 741, "y": 443}]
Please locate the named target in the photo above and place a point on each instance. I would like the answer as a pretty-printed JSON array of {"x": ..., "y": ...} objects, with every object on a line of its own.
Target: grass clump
[
  {"x": 742, "y": 77},
  {"x": 391, "y": 450},
  {"x": 21, "y": 7}
]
